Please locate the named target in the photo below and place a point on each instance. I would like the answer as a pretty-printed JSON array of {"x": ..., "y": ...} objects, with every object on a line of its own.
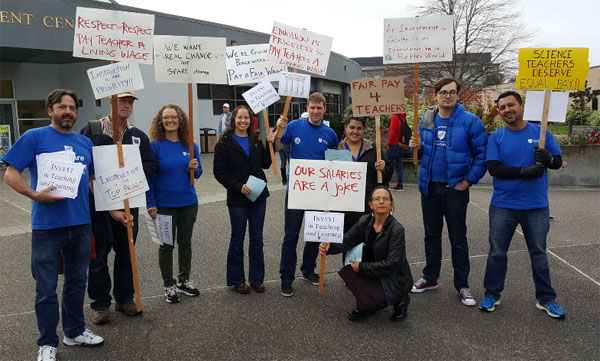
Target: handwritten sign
[
  {"x": 115, "y": 78},
  {"x": 249, "y": 64},
  {"x": 377, "y": 96},
  {"x": 552, "y": 68},
  {"x": 299, "y": 48},
  {"x": 187, "y": 59},
  {"x": 557, "y": 111},
  {"x": 325, "y": 184},
  {"x": 121, "y": 183},
  {"x": 113, "y": 35},
  {"x": 261, "y": 96},
  {"x": 62, "y": 175},
  {"x": 160, "y": 229},
  {"x": 324, "y": 227},
  {"x": 417, "y": 40},
  {"x": 294, "y": 85}
]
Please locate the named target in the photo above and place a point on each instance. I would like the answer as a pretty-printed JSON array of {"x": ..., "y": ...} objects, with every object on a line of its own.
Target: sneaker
[
  {"x": 101, "y": 317},
  {"x": 489, "y": 304},
  {"x": 188, "y": 288},
  {"x": 130, "y": 309},
  {"x": 287, "y": 290},
  {"x": 466, "y": 297},
  {"x": 171, "y": 294},
  {"x": 423, "y": 285},
  {"x": 312, "y": 278},
  {"x": 552, "y": 309},
  {"x": 87, "y": 338},
  {"x": 47, "y": 353},
  {"x": 398, "y": 187}
]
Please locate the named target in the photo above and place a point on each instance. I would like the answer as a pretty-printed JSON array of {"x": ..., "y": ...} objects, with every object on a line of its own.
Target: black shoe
[
  {"x": 171, "y": 294},
  {"x": 400, "y": 310},
  {"x": 188, "y": 288},
  {"x": 312, "y": 278},
  {"x": 287, "y": 290},
  {"x": 358, "y": 315}
]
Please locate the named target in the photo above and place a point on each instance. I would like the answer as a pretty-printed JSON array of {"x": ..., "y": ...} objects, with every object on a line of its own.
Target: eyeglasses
[
  {"x": 380, "y": 198},
  {"x": 446, "y": 93},
  {"x": 167, "y": 117}
]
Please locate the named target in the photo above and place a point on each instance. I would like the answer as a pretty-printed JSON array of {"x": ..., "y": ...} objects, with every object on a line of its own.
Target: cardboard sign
[
  {"x": 294, "y": 85},
  {"x": 325, "y": 184},
  {"x": 534, "y": 106},
  {"x": 113, "y": 35},
  {"x": 160, "y": 229},
  {"x": 187, "y": 59},
  {"x": 115, "y": 78},
  {"x": 249, "y": 64},
  {"x": 417, "y": 40},
  {"x": 65, "y": 176},
  {"x": 299, "y": 48},
  {"x": 324, "y": 227},
  {"x": 338, "y": 154},
  {"x": 261, "y": 96},
  {"x": 552, "y": 68},
  {"x": 377, "y": 96},
  {"x": 121, "y": 183}
]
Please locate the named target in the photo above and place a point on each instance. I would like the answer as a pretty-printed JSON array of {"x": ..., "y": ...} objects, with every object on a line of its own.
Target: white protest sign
[
  {"x": 249, "y": 64},
  {"x": 67, "y": 156},
  {"x": 299, "y": 48},
  {"x": 113, "y": 35},
  {"x": 121, "y": 183},
  {"x": 115, "y": 78},
  {"x": 534, "y": 106},
  {"x": 62, "y": 175},
  {"x": 294, "y": 85},
  {"x": 105, "y": 160},
  {"x": 325, "y": 184},
  {"x": 324, "y": 227},
  {"x": 261, "y": 96},
  {"x": 417, "y": 40},
  {"x": 189, "y": 59},
  {"x": 160, "y": 229}
]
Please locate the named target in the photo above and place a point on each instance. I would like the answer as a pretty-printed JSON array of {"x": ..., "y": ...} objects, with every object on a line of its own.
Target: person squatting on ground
[
  {"x": 172, "y": 194},
  {"x": 60, "y": 226},
  {"x": 397, "y": 144}
]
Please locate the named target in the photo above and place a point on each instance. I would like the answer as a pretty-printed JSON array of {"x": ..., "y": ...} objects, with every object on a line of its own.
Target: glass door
[{"x": 8, "y": 126}]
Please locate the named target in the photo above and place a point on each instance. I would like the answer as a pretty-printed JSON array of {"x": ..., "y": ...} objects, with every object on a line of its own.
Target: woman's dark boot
[
  {"x": 400, "y": 310},
  {"x": 283, "y": 176},
  {"x": 358, "y": 315}
]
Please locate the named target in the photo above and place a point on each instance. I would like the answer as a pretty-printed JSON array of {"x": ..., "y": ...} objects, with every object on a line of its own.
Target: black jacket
[
  {"x": 232, "y": 167},
  {"x": 391, "y": 266}
]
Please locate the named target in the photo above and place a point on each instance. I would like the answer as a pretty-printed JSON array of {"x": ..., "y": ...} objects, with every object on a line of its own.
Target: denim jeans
[
  {"x": 99, "y": 282},
  {"x": 253, "y": 215},
  {"x": 535, "y": 224},
  {"x": 74, "y": 243},
  {"x": 287, "y": 268},
  {"x": 394, "y": 154},
  {"x": 440, "y": 203}
]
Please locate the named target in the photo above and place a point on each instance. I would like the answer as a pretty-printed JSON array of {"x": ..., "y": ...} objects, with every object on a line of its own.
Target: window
[{"x": 32, "y": 114}]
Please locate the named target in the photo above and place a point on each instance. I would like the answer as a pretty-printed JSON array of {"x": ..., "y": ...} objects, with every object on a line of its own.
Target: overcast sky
[{"x": 357, "y": 26}]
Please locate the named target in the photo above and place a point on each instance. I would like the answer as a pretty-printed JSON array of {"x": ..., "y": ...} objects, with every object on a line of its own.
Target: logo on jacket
[
  {"x": 185, "y": 154},
  {"x": 68, "y": 147},
  {"x": 321, "y": 140},
  {"x": 297, "y": 140},
  {"x": 441, "y": 134},
  {"x": 135, "y": 140}
]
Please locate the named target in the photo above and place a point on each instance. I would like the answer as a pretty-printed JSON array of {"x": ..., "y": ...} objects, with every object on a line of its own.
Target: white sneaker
[
  {"x": 466, "y": 297},
  {"x": 47, "y": 353},
  {"x": 87, "y": 338}
]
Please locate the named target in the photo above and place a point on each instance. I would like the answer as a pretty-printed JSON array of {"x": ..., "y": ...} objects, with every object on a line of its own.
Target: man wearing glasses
[{"x": 452, "y": 143}]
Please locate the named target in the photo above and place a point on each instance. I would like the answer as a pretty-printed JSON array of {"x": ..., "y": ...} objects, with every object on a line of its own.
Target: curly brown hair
[
  {"x": 231, "y": 128},
  {"x": 157, "y": 131}
]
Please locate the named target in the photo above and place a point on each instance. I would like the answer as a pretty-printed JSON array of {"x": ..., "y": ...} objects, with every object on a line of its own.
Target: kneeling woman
[{"x": 382, "y": 278}]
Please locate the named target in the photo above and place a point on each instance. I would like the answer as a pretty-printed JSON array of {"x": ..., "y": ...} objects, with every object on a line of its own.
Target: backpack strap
[{"x": 96, "y": 127}]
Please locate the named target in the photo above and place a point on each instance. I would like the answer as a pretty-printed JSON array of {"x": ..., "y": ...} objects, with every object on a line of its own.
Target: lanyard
[{"x": 359, "y": 151}]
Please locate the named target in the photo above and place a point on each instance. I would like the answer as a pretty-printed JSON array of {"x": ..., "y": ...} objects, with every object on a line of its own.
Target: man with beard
[{"x": 59, "y": 225}]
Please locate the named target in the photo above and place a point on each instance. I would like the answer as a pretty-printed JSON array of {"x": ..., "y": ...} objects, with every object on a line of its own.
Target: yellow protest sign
[{"x": 552, "y": 68}]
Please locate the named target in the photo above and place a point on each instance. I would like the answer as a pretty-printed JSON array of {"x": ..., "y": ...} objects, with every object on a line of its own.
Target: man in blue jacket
[{"x": 452, "y": 142}]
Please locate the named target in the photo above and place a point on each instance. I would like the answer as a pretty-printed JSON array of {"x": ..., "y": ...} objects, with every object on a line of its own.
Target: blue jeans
[
  {"x": 287, "y": 268},
  {"x": 254, "y": 216},
  {"x": 99, "y": 282},
  {"x": 395, "y": 154},
  {"x": 535, "y": 224},
  {"x": 440, "y": 203},
  {"x": 74, "y": 243}
]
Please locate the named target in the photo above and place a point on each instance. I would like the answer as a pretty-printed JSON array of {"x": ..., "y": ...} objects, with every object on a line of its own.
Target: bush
[
  {"x": 581, "y": 139},
  {"x": 579, "y": 116},
  {"x": 594, "y": 119}
]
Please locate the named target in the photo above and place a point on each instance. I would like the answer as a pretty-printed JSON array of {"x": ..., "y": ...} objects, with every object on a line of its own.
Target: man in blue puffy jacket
[{"x": 452, "y": 142}]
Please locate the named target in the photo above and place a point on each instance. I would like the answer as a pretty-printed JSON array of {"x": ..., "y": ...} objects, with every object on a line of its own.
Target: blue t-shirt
[
  {"x": 243, "y": 142},
  {"x": 516, "y": 148},
  {"x": 307, "y": 141},
  {"x": 171, "y": 187},
  {"x": 61, "y": 213},
  {"x": 439, "y": 169}
]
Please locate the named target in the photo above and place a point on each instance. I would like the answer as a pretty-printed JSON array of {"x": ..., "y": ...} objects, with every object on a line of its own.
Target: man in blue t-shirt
[
  {"x": 453, "y": 158},
  {"x": 308, "y": 139},
  {"x": 518, "y": 166},
  {"x": 60, "y": 226}
]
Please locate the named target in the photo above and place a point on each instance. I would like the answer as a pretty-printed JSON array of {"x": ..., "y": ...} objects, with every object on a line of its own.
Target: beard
[{"x": 65, "y": 122}]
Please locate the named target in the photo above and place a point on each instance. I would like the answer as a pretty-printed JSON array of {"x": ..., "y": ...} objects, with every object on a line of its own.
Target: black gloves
[
  {"x": 533, "y": 171},
  {"x": 543, "y": 156}
]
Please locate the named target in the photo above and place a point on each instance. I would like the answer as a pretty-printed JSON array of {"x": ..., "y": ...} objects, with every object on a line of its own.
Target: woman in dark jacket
[
  {"x": 239, "y": 154},
  {"x": 382, "y": 277}
]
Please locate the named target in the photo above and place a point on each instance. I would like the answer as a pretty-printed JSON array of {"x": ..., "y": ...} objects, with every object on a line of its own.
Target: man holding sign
[{"x": 59, "y": 225}]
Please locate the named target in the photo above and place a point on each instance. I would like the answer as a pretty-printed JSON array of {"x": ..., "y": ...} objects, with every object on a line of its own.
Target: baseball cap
[
  {"x": 127, "y": 94},
  {"x": 226, "y": 105}
]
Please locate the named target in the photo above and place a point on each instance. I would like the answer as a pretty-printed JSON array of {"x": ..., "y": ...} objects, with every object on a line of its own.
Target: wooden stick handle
[
  {"x": 378, "y": 146},
  {"x": 544, "y": 123},
  {"x": 191, "y": 127},
  {"x": 286, "y": 109},
  {"x": 322, "y": 274},
  {"x": 268, "y": 131},
  {"x": 416, "y": 113}
]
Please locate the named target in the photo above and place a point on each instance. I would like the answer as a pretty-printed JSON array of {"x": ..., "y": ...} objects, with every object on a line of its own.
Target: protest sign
[
  {"x": 115, "y": 78},
  {"x": 160, "y": 229},
  {"x": 338, "y": 154},
  {"x": 534, "y": 106},
  {"x": 187, "y": 59},
  {"x": 377, "y": 96},
  {"x": 261, "y": 96},
  {"x": 418, "y": 39},
  {"x": 323, "y": 227},
  {"x": 121, "y": 183},
  {"x": 249, "y": 64},
  {"x": 5, "y": 139},
  {"x": 325, "y": 184},
  {"x": 299, "y": 48},
  {"x": 65, "y": 176},
  {"x": 294, "y": 85},
  {"x": 552, "y": 68},
  {"x": 113, "y": 35}
]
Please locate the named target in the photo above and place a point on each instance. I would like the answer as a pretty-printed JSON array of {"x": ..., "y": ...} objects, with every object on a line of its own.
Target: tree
[{"x": 579, "y": 111}]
